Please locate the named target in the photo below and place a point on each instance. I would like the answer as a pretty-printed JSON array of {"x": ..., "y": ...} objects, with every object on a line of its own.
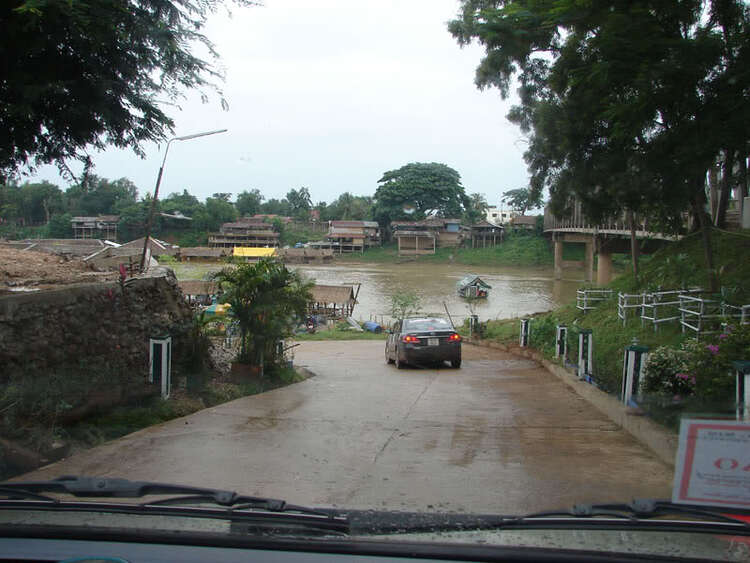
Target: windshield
[
  {"x": 426, "y": 324},
  {"x": 227, "y": 230}
]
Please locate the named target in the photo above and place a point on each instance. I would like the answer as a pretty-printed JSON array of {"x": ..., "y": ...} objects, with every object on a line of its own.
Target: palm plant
[{"x": 266, "y": 299}]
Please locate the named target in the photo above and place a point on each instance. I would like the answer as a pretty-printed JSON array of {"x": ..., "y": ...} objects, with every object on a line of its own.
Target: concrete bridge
[{"x": 605, "y": 239}]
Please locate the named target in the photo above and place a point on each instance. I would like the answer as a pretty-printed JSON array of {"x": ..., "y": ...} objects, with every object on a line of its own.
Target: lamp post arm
[{"x": 150, "y": 219}]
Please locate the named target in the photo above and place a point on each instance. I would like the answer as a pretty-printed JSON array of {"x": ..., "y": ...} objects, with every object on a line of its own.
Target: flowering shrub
[
  {"x": 668, "y": 372},
  {"x": 699, "y": 368}
]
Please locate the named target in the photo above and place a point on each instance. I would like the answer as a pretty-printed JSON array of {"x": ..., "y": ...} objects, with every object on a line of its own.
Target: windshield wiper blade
[
  {"x": 239, "y": 502},
  {"x": 639, "y": 509},
  {"x": 96, "y": 487},
  {"x": 13, "y": 493}
]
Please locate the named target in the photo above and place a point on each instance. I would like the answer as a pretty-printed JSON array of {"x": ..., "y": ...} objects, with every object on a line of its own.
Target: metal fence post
[
  {"x": 742, "y": 385},
  {"x": 525, "y": 332},
  {"x": 561, "y": 342},
  {"x": 634, "y": 362},
  {"x": 585, "y": 354}
]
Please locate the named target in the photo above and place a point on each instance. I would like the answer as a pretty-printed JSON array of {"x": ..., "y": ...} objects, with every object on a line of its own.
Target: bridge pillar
[
  {"x": 604, "y": 268},
  {"x": 558, "y": 242},
  {"x": 589, "y": 261}
]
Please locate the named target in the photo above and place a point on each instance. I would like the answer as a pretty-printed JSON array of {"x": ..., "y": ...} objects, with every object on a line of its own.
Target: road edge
[{"x": 651, "y": 435}]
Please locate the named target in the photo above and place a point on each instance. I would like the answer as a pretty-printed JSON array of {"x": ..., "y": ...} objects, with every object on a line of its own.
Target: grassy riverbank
[
  {"x": 522, "y": 249},
  {"x": 678, "y": 265}
]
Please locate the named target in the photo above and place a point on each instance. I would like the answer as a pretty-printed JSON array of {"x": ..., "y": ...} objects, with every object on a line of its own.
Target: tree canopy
[
  {"x": 521, "y": 199},
  {"x": 627, "y": 104},
  {"x": 418, "y": 190},
  {"x": 83, "y": 74},
  {"x": 605, "y": 88}
]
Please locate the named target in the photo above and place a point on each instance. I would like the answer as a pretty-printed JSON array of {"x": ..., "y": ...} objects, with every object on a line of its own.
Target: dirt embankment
[{"x": 31, "y": 270}]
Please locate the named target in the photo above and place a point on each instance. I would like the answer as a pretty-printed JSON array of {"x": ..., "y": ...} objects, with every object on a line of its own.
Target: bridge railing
[{"x": 578, "y": 220}]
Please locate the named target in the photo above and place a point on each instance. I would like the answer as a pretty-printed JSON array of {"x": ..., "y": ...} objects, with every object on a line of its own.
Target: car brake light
[
  {"x": 454, "y": 337},
  {"x": 410, "y": 338}
]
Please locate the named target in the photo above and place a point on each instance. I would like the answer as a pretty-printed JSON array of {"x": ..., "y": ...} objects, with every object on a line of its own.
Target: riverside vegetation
[{"x": 684, "y": 375}]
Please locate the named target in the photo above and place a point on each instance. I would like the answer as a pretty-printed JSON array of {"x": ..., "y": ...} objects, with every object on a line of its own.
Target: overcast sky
[{"x": 329, "y": 94}]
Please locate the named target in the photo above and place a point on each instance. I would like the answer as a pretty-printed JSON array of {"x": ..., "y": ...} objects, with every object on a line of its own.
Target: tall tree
[
  {"x": 418, "y": 190},
  {"x": 248, "y": 202},
  {"x": 85, "y": 74},
  {"x": 521, "y": 199},
  {"x": 623, "y": 99},
  {"x": 300, "y": 202}
]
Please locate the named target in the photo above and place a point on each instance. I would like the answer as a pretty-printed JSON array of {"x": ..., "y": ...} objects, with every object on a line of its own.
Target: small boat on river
[{"x": 473, "y": 287}]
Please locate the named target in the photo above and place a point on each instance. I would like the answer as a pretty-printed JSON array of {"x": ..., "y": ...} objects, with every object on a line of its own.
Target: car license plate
[{"x": 433, "y": 341}]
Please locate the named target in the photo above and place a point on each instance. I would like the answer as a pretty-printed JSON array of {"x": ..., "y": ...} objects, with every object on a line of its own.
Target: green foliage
[
  {"x": 522, "y": 199},
  {"x": 347, "y": 207},
  {"x": 292, "y": 234},
  {"x": 404, "y": 304},
  {"x": 518, "y": 249},
  {"x": 185, "y": 203},
  {"x": 423, "y": 188},
  {"x": 682, "y": 264},
  {"x": 95, "y": 196},
  {"x": 623, "y": 110},
  {"x": 59, "y": 226},
  {"x": 266, "y": 299},
  {"x": 668, "y": 372},
  {"x": 215, "y": 212},
  {"x": 30, "y": 204},
  {"x": 339, "y": 332},
  {"x": 299, "y": 202},
  {"x": 122, "y": 59},
  {"x": 248, "y": 203}
]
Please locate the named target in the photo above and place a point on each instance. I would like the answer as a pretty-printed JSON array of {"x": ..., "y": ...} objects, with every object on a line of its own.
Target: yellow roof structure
[{"x": 248, "y": 252}]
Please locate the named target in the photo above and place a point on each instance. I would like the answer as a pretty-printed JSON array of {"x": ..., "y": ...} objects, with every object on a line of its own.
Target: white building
[{"x": 499, "y": 216}]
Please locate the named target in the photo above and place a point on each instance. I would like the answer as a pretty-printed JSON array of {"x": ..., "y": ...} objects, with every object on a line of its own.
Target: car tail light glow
[
  {"x": 410, "y": 338},
  {"x": 454, "y": 337}
]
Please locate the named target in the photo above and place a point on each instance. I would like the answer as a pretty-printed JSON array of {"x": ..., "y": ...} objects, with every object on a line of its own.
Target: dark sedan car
[{"x": 423, "y": 340}]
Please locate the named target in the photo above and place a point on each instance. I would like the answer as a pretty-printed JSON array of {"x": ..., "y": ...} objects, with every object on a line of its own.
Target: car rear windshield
[{"x": 426, "y": 324}]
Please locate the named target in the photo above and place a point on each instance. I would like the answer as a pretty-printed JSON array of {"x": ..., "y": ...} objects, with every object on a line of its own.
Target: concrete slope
[{"x": 499, "y": 435}]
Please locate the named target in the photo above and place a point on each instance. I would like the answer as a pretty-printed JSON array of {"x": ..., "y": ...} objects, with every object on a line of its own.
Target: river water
[{"x": 515, "y": 291}]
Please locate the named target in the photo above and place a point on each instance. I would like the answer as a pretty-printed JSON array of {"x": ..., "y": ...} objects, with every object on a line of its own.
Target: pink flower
[
  {"x": 723, "y": 336},
  {"x": 682, "y": 375},
  {"x": 713, "y": 348}
]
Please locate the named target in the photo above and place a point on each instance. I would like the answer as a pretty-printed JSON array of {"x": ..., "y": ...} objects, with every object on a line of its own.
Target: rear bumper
[{"x": 411, "y": 354}]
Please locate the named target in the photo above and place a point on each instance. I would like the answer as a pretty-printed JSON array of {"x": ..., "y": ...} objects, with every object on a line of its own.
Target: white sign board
[{"x": 713, "y": 463}]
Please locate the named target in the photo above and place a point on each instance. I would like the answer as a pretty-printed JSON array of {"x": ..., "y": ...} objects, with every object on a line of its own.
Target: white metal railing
[
  {"x": 626, "y": 301},
  {"x": 699, "y": 314},
  {"x": 588, "y": 299},
  {"x": 738, "y": 312},
  {"x": 664, "y": 306}
]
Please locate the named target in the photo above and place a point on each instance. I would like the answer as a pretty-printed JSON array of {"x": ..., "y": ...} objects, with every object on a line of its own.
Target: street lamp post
[{"x": 158, "y": 182}]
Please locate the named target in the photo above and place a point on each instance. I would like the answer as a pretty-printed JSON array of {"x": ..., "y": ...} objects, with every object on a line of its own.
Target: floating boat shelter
[
  {"x": 333, "y": 301},
  {"x": 472, "y": 286}
]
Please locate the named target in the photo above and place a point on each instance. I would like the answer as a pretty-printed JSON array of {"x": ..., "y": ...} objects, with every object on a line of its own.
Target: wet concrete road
[{"x": 499, "y": 435}]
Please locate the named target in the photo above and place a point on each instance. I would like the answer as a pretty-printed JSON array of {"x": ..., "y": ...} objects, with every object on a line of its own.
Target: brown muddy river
[{"x": 515, "y": 291}]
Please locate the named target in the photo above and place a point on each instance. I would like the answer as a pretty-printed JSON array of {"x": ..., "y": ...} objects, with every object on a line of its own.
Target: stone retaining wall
[{"x": 91, "y": 331}]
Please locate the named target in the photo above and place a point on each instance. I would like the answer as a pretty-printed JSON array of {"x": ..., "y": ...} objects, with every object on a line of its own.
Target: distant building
[
  {"x": 523, "y": 222},
  {"x": 252, "y": 232},
  {"x": 101, "y": 226},
  {"x": 499, "y": 216},
  {"x": 423, "y": 237},
  {"x": 353, "y": 236}
]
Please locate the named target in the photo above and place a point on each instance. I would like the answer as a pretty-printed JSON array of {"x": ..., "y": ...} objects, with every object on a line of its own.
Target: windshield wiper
[
  {"x": 639, "y": 509},
  {"x": 98, "y": 487}
]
